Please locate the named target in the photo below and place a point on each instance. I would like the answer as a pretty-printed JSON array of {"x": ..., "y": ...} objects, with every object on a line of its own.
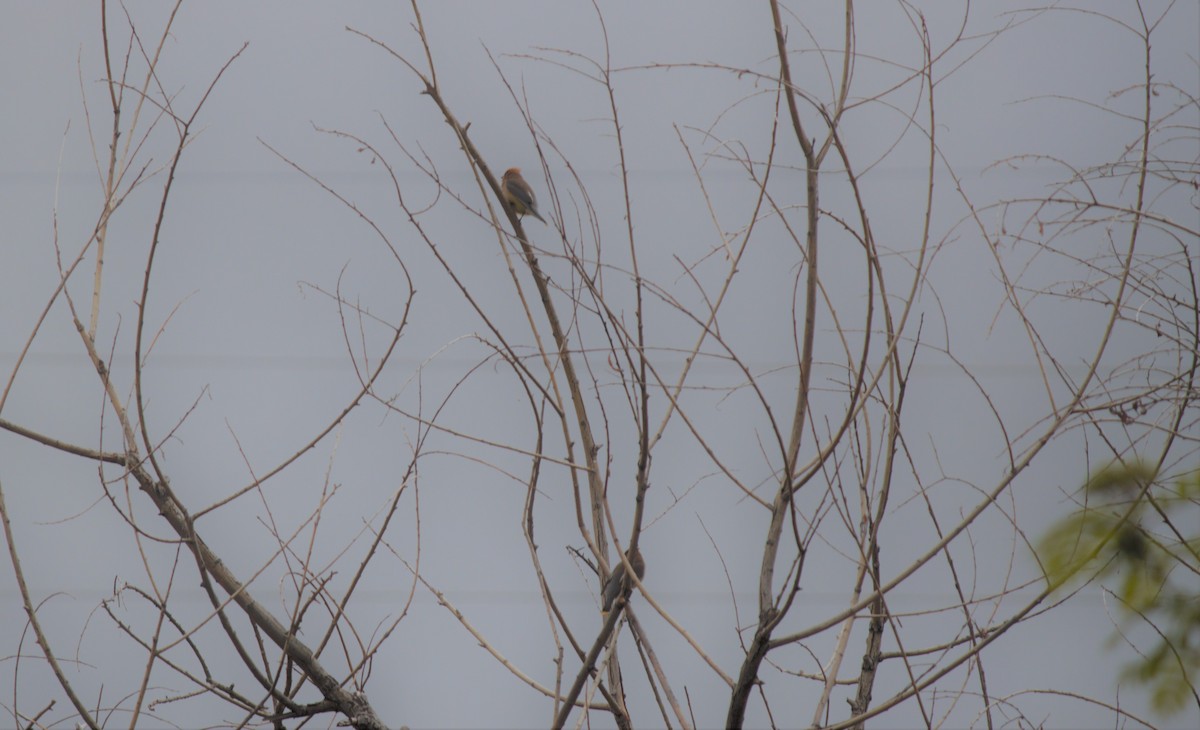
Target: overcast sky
[{"x": 253, "y": 357}]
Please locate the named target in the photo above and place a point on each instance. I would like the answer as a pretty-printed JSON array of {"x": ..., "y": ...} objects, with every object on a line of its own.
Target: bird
[
  {"x": 518, "y": 194},
  {"x": 618, "y": 584}
]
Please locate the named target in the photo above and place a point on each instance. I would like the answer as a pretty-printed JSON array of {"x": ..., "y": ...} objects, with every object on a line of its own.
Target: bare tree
[{"x": 649, "y": 386}]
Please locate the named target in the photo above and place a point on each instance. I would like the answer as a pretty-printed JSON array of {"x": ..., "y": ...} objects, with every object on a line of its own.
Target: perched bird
[
  {"x": 518, "y": 194},
  {"x": 618, "y": 584}
]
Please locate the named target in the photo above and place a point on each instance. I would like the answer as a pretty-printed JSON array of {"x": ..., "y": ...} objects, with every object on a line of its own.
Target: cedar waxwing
[
  {"x": 618, "y": 584},
  {"x": 518, "y": 194}
]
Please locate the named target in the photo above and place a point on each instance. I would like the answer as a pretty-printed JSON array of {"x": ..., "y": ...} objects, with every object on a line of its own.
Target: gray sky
[{"x": 254, "y": 354}]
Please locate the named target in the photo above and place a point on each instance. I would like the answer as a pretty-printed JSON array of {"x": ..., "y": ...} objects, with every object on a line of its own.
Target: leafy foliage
[{"x": 1127, "y": 536}]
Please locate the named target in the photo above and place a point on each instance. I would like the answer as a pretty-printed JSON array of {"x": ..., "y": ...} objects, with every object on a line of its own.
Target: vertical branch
[
  {"x": 768, "y": 613},
  {"x": 110, "y": 177},
  {"x": 642, "y": 416},
  {"x": 870, "y": 662},
  {"x": 118, "y": 161}
]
